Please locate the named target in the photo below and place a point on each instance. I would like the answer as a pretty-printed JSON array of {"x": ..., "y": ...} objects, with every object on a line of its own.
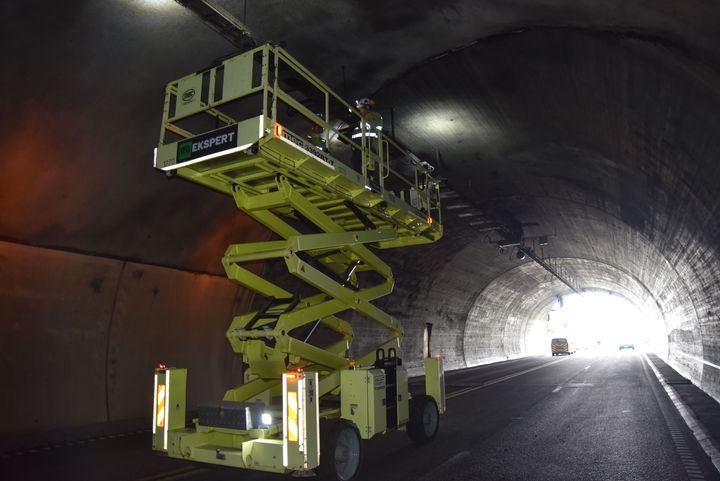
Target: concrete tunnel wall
[
  {"x": 82, "y": 335},
  {"x": 514, "y": 308}
]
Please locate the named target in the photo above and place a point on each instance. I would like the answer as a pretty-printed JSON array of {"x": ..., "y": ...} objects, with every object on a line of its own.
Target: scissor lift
[{"x": 264, "y": 130}]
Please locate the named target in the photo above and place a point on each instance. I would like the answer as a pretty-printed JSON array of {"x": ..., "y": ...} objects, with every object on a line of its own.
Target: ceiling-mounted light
[
  {"x": 504, "y": 244},
  {"x": 156, "y": 4}
]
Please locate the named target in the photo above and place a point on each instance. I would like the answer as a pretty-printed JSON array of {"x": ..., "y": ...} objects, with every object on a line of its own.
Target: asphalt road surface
[{"x": 589, "y": 416}]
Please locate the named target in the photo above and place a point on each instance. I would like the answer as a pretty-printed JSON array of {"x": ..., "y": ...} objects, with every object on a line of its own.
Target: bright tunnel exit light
[
  {"x": 604, "y": 320},
  {"x": 156, "y": 4}
]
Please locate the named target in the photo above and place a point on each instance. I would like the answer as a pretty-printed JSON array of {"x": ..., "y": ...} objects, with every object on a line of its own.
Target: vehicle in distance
[
  {"x": 627, "y": 346},
  {"x": 560, "y": 345}
]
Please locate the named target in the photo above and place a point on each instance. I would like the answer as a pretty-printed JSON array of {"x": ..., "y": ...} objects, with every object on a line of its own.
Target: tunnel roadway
[{"x": 589, "y": 416}]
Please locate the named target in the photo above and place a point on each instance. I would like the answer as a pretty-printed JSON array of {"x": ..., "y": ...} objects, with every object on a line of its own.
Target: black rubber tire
[
  {"x": 424, "y": 419},
  {"x": 340, "y": 450}
]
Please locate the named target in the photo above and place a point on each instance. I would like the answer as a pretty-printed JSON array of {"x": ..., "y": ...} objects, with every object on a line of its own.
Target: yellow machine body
[
  {"x": 262, "y": 129},
  {"x": 364, "y": 399}
]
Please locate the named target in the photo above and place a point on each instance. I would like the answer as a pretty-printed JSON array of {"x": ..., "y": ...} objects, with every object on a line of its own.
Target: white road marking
[
  {"x": 501, "y": 379},
  {"x": 435, "y": 473},
  {"x": 557, "y": 389}
]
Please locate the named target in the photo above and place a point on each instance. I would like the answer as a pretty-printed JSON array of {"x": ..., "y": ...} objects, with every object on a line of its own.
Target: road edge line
[{"x": 692, "y": 422}]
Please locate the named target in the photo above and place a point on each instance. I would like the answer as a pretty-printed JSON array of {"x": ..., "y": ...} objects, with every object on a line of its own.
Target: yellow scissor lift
[{"x": 261, "y": 128}]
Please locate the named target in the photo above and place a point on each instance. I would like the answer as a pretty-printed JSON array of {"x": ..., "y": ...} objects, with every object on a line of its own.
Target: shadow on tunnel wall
[{"x": 81, "y": 336}]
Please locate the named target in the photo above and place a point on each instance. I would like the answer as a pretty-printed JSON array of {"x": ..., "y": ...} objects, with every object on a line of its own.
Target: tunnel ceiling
[{"x": 594, "y": 123}]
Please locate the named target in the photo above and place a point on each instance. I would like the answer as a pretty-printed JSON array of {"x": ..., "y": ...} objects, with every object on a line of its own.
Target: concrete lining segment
[
  {"x": 60, "y": 364},
  {"x": 55, "y": 309},
  {"x": 179, "y": 320}
]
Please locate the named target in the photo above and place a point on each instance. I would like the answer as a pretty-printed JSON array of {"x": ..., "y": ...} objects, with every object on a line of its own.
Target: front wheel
[
  {"x": 424, "y": 419},
  {"x": 340, "y": 450}
]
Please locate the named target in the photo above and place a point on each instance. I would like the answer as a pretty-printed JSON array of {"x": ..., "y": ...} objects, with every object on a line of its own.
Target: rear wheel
[
  {"x": 340, "y": 450},
  {"x": 424, "y": 419}
]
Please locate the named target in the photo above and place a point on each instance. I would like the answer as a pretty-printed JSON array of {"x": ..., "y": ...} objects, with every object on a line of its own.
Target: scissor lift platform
[
  {"x": 262, "y": 129},
  {"x": 250, "y": 152}
]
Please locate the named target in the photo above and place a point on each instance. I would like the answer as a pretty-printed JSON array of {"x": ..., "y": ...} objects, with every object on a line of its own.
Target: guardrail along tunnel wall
[{"x": 594, "y": 123}]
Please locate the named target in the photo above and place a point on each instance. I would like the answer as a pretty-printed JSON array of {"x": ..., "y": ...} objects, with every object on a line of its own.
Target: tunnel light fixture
[
  {"x": 505, "y": 244},
  {"x": 157, "y": 4},
  {"x": 220, "y": 20}
]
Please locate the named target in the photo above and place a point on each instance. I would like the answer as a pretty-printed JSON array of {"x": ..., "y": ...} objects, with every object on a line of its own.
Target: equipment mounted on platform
[{"x": 245, "y": 128}]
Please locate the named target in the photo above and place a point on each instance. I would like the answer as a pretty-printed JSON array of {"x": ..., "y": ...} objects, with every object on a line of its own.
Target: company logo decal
[
  {"x": 188, "y": 95},
  {"x": 210, "y": 143}
]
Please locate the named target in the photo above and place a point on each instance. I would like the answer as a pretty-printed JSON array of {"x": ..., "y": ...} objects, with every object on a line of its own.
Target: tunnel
[{"x": 585, "y": 133}]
